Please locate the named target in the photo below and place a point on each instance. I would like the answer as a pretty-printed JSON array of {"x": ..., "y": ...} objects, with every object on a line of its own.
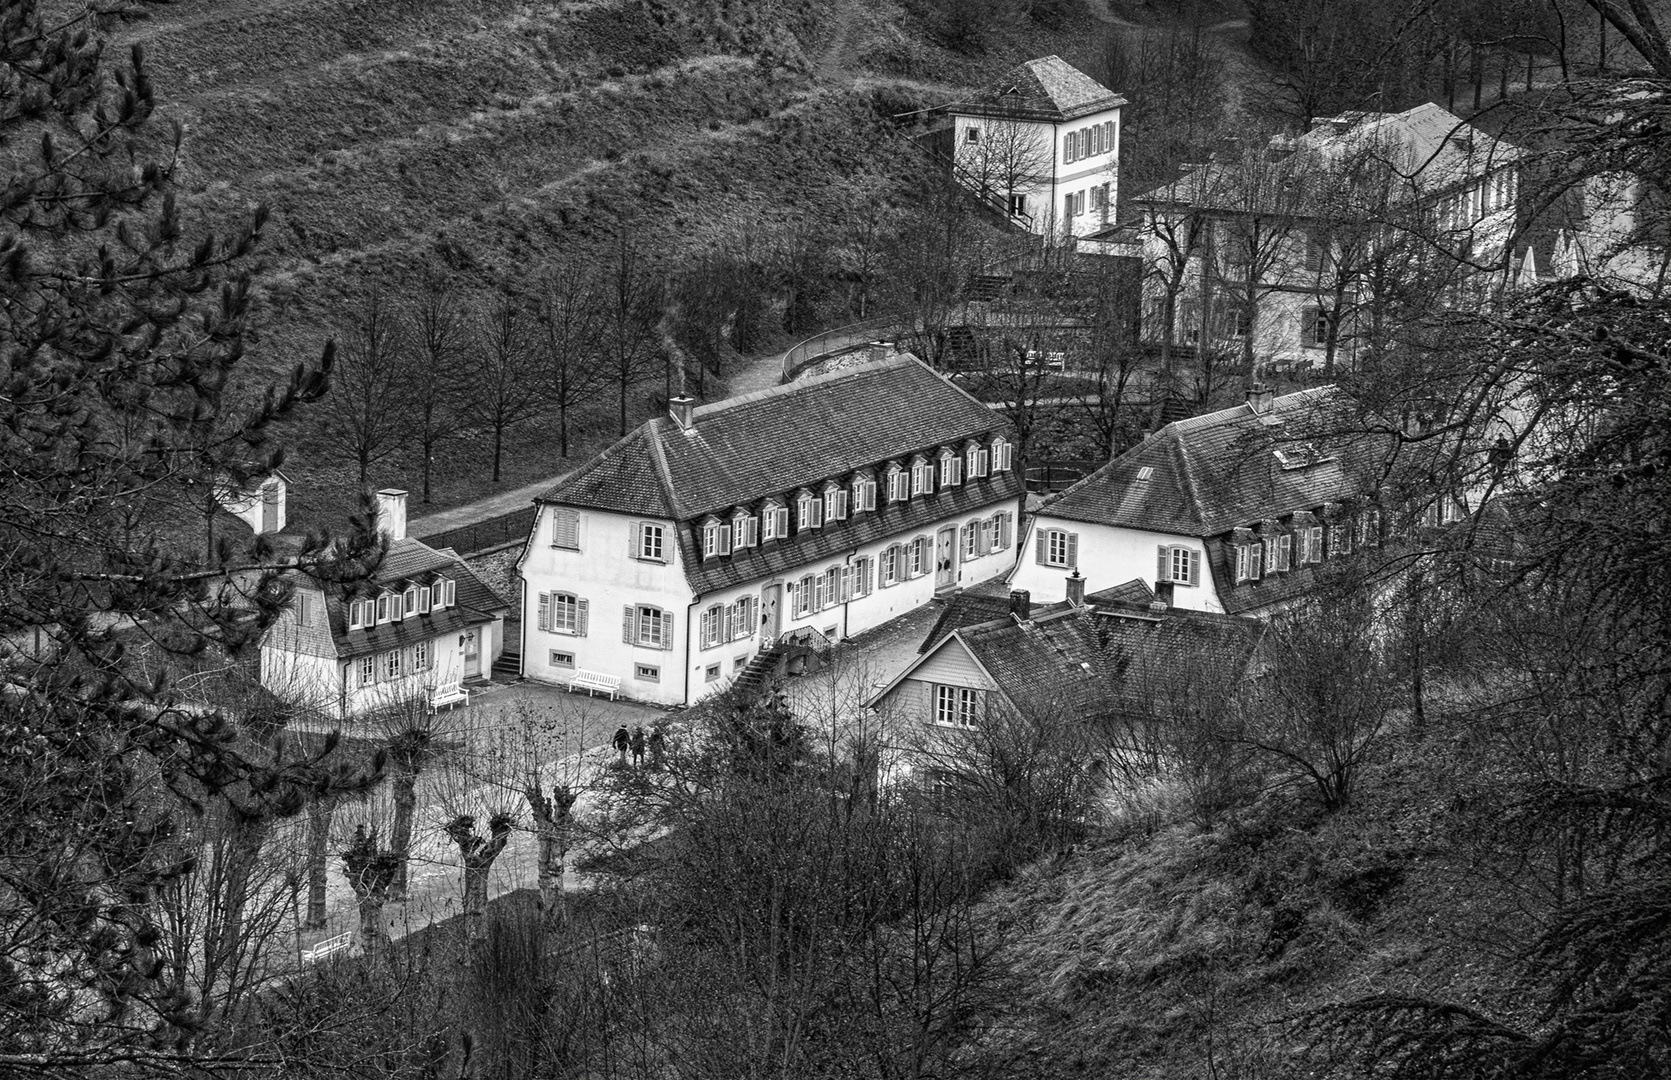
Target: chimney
[
  {"x": 1076, "y": 589},
  {"x": 682, "y": 409},
  {"x": 878, "y": 351},
  {"x": 391, "y": 513},
  {"x": 1163, "y": 597},
  {"x": 1021, "y": 604},
  {"x": 1259, "y": 398}
]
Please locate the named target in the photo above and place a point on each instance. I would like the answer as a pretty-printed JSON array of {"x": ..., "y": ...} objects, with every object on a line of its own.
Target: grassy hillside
[{"x": 488, "y": 138}]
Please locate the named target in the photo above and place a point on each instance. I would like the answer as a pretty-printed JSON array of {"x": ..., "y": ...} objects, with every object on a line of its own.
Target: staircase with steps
[
  {"x": 987, "y": 287},
  {"x": 753, "y": 677},
  {"x": 508, "y": 668}
]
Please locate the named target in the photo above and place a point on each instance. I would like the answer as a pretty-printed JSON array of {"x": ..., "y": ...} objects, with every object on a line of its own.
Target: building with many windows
[
  {"x": 1233, "y": 511},
  {"x": 420, "y": 628},
  {"x": 818, "y": 509}
]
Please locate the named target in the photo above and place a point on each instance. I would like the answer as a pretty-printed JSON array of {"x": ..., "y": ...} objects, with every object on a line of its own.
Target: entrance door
[
  {"x": 945, "y": 564},
  {"x": 472, "y": 654},
  {"x": 770, "y": 597}
]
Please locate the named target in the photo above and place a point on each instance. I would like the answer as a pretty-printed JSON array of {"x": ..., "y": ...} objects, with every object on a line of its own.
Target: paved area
[{"x": 503, "y": 503}]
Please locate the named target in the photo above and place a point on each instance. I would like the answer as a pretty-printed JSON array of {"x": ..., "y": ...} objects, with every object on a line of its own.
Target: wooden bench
[
  {"x": 593, "y": 681},
  {"x": 327, "y": 947},
  {"x": 448, "y": 694}
]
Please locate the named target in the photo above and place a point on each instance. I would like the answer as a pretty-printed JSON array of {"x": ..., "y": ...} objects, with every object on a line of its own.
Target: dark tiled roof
[
  {"x": 1048, "y": 89},
  {"x": 1211, "y": 473},
  {"x": 410, "y": 560},
  {"x": 983, "y": 603},
  {"x": 769, "y": 443},
  {"x": 812, "y": 545},
  {"x": 1134, "y": 592}
]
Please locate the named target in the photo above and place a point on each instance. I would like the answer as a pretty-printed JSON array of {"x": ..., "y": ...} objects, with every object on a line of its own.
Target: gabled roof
[
  {"x": 1209, "y": 474},
  {"x": 407, "y": 560},
  {"x": 1098, "y": 659},
  {"x": 769, "y": 443},
  {"x": 1048, "y": 89}
]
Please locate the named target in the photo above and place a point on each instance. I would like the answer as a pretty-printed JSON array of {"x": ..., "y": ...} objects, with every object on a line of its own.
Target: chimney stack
[
  {"x": 1163, "y": 597},
  {"x": 1259, "y": 398},
  {"x": 391, "y": 513},
  {"x": 683, "y": 410},
  {"x": 1076, "y": 589},
  {"x": 1021, "y": 604},
  {"x": 878, "y": 351}
]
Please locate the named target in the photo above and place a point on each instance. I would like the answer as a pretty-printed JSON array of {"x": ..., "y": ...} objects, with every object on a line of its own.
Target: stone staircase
[{"x": 508, "y": 668}]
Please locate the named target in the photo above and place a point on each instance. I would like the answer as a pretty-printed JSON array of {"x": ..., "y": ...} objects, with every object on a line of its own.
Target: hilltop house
[
  {"x": 1042, "y": 145},
  {"x": 1110, "y": 655},
  {"x": 420, "y": 628},
  {"x": 811, "y": 511},
  {"x": 1233, "y": 511},
  {"x": 1279, "y": 254}
]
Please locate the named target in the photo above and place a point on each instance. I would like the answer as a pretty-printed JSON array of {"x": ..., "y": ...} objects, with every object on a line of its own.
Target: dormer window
[
  {"x": 410, "y": 601},
  {"x": 1001, "y": 450},
  {"x": 774, "y": 521},
  {"x": 385, "y": 607},
  {"x": 899, "y": 483},
  {"x": 716, "y": 538},
  {"x": 441, "y": 593},
  {"x": 864, "y": 492},
  {"x": 809, "y": 510},
  {"x": 975, "y": 459},
  {"x": 951, "y": 469},
  {"x": 922, "y": 476},
  {"x": 423, "y": 599},
  {"x": 835, "y": 502},
  {"x": 361, "y": 614},
  {"x": 745, "y": 530}
]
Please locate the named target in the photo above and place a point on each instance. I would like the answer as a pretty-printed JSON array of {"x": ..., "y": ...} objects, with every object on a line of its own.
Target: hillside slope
[{"x": 488, "y": 138}]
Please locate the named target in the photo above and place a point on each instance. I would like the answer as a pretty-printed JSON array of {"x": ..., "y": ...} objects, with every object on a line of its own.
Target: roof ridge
[
  {"x": 663, "y": 473},
  {"x": 715, "y": 408},
  {"x": 585, "y": 469}
]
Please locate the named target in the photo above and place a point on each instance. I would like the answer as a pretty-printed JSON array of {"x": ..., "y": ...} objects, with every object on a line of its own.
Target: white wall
[
  {"x": 1057, "y": 176},
  {"x": 1110, "y": 555},
  {"x": 603, "y": 573}
]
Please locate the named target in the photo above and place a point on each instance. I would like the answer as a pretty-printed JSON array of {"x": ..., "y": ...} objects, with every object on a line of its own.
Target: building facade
[
  {"x": 816, "y": 510},
  {"x": 425, "y": 621},
  {"x": 1043, "y": 144}
]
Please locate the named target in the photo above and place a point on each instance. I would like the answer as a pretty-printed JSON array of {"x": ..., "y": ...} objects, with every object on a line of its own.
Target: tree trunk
[
  {"x": 498, "y": 447},
  {"x": 404, "y": 783},
  {"x": 374, "y": 936},
  {"x": 320, "y": 812},
  {"x": 478, "y": 855},
  {"x": 563, "y": 427}
]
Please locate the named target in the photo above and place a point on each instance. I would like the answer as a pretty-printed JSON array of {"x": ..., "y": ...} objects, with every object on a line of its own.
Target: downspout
[
  {"x": 847, "y": 563},
  {"x": 522, "y": 639},
  {"x": 1055, "y": 171},
  {"x": 684, "y": 696}
]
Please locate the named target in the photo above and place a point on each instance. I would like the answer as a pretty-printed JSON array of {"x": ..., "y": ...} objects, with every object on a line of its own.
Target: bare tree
[
  {"x": 370, "y": 869},
  {"x": 507, "y": 383},
  {"x": 437, "y": 375},
  {"x": 569, "y": 316},
  {"x": 632, "y": 308},
  {"x": 369, "y": 389}
]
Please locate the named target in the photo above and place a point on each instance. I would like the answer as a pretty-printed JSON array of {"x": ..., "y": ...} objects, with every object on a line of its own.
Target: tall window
[
  {"x": 974, "y": 460},
  {"x": 835, "y": 502},
  {"x": 1001, "y": 454},
  {"x": 951, "y": 469},
  {"x": 420, "y": 656},
  {"x": 890, "y": 566},
  {"x": 774, "y": 521},
  {"x": 863, "y": 577},
  {"x": 809, "y": 510},
  {"x": 1279, "y": 551},
  {"x": 712, "y": 626},
  {"x": 1179, "y": 564},
  {"x": 567, "y": 614},
  {"x": 391, "y": 664},
  {"x": 1340, "y": 540},
  {"x": 745, "y": 530},
  {"x": 423, "y": 600},
  {"x": 972, "y": 540},
  {"x": 1314, "y": 328},
  {"x": 917, "y": 559},
  {"x": 648, "y": 626},
  {"x": 385, "y": 607},
  {"x": 899, "y": 484},
  {"x": 449, "y": 589},
  {"x": 565, "y": 528},
  {"x": 410, "y": 600},
  {"x": 1001, "y": 525},
  {"x": 922, "y": 476},
  {"x": 366, "y": 667},
  {"x": 956, "y": 706},
  {"x": 649, "y": 542},
  {"x": 716, "y": 538},
  {"x": 1058, "y": 547},
  {"x": 864, "y": 493}
]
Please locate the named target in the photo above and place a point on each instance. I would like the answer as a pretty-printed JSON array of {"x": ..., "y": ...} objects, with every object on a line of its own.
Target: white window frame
[
  {"x": 391, "y": 664},
  {"x": 716, "y": 539},
  {"x": 956, "y": 706},
  {"x": 366, "y": 669},
  {"x": 951, "y": 469},
  {"x": 864, "y": 493},
  {"x": 651, "y": 542},
  {"x": 835, "y": 502},
  {"x": 922, "y": 476},
  {"x": 570, "y": 621},
  {"x": 654, "y": 627},
  {"x": 970, "y": 535},
  {"x": 385, "y": 607},
  {"x": 809, "y": 511},
  {"x": 887, "y": 571},
  {"x": 421, "y": 659},
  {"x": 745, "y": 531},
  {"x": 1058, "y": 548},
  {"x": 1002, "y": 454},
  {"x": 918, "y": 560},
  {"x": 899, "y": 484},
  {"x": 410, "y": 601}
]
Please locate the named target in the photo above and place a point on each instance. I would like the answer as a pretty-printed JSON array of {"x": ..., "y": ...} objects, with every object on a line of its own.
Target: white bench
[
  {"x": 448, "y": 694},
  {"x": 593, "y": 681}
]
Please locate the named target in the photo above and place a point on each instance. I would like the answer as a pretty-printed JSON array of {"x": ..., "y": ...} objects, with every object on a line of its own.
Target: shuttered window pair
[
  {"x": 728, "y": 622},
  {"x": 1057, "y": 547},
  {"x": 647, "y": 541},
  {"x": 563, "y": 613},
  {"x": 1250, "y": 560}
]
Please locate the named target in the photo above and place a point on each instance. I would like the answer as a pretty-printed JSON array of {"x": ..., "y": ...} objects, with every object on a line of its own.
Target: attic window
[
  {"x": 1146, "y": 472},
  {"x": 1300, "y": 455}
]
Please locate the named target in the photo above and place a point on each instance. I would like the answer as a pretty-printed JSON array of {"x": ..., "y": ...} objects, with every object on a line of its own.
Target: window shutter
[
  {"x": 545, "y": 611},
  {"x": 1043, "y": 546},
  {"x": 1163, "y": 571},
  {"x": 1073, "y": 549},
  {"x": 1194, "y": 568},
  {"x": 580, "y": 618},
  {"x": 666, "y": 630},
  {"x": 633, "y": 547},
  {"x": 627, "y": 626},
  {"x": 1256, "y": 555}
]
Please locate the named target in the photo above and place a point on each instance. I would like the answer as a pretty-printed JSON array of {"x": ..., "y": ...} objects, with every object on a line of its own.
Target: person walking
[
  {"x": 658, "y": 746},
  {"x": 638, "y": 747},
  {"x": 621, "y": 742}
]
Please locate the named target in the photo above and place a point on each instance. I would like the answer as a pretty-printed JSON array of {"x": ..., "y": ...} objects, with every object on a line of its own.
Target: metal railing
[
  {"x": 478, "y": 536},
  {"x": 836, "y": 340}
]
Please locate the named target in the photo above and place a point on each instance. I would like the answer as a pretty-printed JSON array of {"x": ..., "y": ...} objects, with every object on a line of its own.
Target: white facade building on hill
[
  {"x": 1044, "y": 140},
  {"x": 823, "y": 507}
]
